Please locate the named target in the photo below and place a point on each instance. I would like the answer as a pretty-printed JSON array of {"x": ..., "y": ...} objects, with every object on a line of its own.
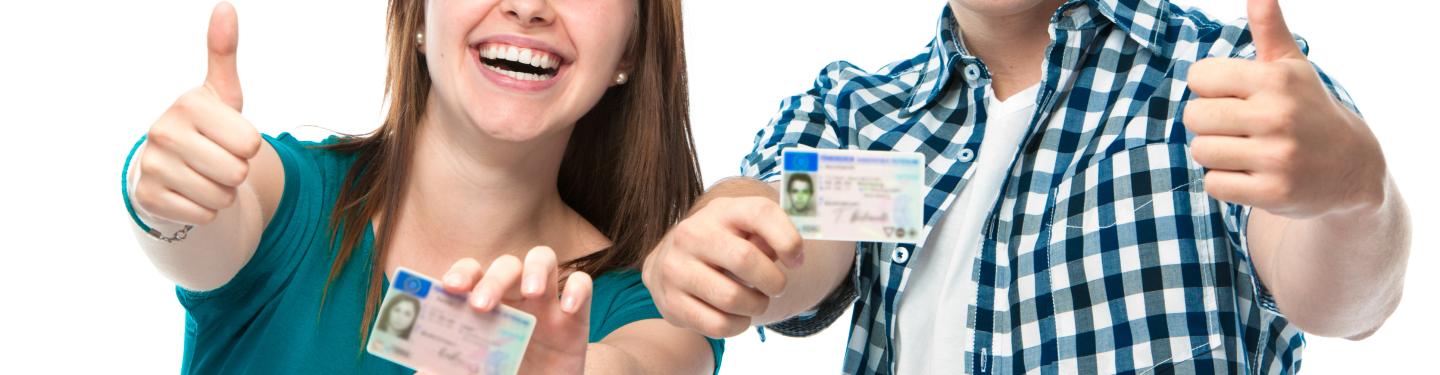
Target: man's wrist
[{"x": 1369, "y": 207}]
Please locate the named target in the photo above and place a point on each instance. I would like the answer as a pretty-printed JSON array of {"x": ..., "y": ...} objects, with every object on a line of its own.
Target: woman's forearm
[{"x": 211, "y": 254}]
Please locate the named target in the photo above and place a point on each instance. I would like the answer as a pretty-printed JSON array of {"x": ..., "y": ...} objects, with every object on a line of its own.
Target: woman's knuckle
[
  {"x": 149, "y": 164},
  {"x": 238, "y": 174},
  {"x": 206, "y": 216},
  {"x": 161, "y": 136},
  {"x": 228, "y": 197}
]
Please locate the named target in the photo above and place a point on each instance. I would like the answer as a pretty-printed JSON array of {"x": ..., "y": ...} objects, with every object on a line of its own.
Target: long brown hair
[{"x": 629, "y": 168}]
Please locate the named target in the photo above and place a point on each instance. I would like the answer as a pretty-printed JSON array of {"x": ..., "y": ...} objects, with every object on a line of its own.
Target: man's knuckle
[
  {"x": 735, "y": 327},
  {"x": 668, "y": 271},
  {"x": 1275, "y": 192},
  {"x": 1278, "y": 75},
  {"x": 716, "y": 327},
  {"x": 1282, "y": 155},
  {"x": 729, "y": 297},
  {"x": 759, "y": 207},
  {"x": 1285, "y": 113},
  {"x": 697, "y": 319},
  {"x": 1273, "y": 121},
  {"x": 687, "y": 234},
  {"x": 793, "y": 242},
  {"x": 717, "y": 204},
  {"x": 741, "y": 256}
]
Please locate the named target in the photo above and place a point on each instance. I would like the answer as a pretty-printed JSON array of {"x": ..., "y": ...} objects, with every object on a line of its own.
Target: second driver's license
[{"x": 854, "y": 195}]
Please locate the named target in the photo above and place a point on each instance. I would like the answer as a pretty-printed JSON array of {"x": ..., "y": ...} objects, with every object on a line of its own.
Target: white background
[{"x": 81, "y": 80}]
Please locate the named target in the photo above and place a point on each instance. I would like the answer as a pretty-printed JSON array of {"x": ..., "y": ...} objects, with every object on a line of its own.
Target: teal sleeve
[
  {"x": 280, "y": 249},
  {"x": 621, "y": 298}
]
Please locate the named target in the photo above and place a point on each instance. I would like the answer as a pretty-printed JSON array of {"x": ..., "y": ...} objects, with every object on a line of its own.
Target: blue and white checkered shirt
[{"x": 1103, "y": 253}]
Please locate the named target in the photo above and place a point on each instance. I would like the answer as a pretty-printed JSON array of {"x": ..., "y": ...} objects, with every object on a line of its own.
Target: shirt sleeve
[{"x": 810, "y": 120}]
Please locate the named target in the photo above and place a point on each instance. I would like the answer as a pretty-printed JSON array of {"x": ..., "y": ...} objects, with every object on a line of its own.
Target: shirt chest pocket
[{"x": 1132, "y": 259}]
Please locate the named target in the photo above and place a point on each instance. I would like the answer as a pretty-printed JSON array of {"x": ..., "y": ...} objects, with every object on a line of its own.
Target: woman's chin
[{"x": 515, "y": 132}]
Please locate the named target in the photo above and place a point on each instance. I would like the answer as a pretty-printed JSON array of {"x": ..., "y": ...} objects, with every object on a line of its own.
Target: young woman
[{"x": 553, "y": 131}]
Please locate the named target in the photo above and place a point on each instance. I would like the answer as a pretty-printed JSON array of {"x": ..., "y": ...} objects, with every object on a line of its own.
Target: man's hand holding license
[{"x": 716, "y": 270}]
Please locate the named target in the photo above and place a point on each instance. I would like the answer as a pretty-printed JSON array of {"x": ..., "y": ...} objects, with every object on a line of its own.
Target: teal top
[{"x": 268, "y": 319}]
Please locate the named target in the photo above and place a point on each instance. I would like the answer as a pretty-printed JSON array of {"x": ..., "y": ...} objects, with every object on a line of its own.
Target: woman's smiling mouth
[{"x": 518, "y": 63}]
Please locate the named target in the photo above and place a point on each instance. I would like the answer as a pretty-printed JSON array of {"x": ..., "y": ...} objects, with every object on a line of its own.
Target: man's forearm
[
  {"x": 827, "y": 263},
  {"x": 1337, "y": 275}
]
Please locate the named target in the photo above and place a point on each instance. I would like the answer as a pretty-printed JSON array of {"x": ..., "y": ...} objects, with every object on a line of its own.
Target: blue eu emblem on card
[
  {"x": 409, "y": 283},
  {"x": 801, "y": 161}
]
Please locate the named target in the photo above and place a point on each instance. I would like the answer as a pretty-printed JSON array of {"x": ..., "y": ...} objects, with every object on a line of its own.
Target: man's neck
[
  {"x": 1012, "y": 44},
  {"x": 470, "y": 195}
]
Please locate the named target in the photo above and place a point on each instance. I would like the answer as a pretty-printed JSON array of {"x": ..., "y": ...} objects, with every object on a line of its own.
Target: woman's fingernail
[
  {"x": 532, "y": 286},
  {"x": 480, "y": 301},
  {"x": 568, "y": 304},
  {"x": 452, "y": 280}
]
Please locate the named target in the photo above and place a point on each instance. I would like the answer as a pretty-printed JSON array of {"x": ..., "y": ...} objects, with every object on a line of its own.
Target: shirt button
[
  {"x": 900, "y": 255},
  {"x": 966, "y": 155},
  {"x": 972, "y": 73}
]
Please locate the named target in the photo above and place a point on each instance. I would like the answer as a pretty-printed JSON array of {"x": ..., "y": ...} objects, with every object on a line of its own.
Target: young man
[{"x": 1115, "y": 186}]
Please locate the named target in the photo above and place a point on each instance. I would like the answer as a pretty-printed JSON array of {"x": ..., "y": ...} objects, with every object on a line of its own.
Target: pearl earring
[
  {"x": 420, "y": 39},
  {"x": 621, "y": 78}
]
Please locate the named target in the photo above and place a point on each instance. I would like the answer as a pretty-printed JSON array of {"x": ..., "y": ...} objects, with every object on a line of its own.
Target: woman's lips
[{"x": 516, "y": 66}]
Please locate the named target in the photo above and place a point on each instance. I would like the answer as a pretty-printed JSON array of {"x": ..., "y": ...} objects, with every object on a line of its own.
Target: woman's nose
[{"x": 528, "y": 12}]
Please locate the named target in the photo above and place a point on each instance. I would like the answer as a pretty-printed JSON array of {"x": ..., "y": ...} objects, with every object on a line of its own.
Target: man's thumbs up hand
[{"x": 1272, "y": 136}]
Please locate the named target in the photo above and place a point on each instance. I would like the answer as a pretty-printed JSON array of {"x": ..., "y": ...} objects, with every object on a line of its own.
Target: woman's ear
[{"x": 626, "y": 69}]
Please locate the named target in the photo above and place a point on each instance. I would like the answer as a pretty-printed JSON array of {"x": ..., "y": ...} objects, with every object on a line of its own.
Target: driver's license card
[
  {"x": 854, "y": 195},
  {"x": 422, "y": 327}
]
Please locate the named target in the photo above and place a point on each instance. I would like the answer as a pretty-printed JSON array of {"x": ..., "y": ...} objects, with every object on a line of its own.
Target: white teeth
[
  {"x": 533, "y": 57},
  {"x": 525, "y": 55},
  {"x": 520, "y": 76}
]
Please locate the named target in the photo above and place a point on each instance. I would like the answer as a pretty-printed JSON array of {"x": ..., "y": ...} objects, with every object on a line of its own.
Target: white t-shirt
[{"x": 931, "y": 337}]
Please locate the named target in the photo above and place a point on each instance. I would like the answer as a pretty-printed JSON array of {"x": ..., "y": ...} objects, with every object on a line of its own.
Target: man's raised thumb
[
  {"x": 1273, "y": 40},
  {"x": 222, "y": 77}
]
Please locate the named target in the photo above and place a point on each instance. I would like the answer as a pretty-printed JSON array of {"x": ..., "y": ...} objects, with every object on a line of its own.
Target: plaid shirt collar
[{"x": 948, "y": 47}]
